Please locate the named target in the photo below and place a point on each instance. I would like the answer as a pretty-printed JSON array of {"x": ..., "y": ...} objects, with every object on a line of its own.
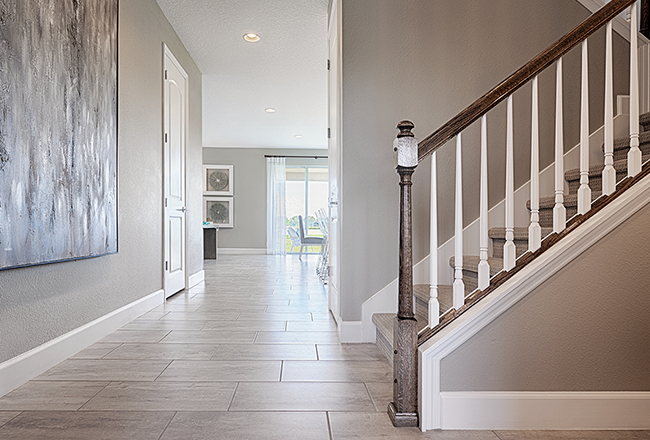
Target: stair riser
[
  {"x": 546, "y": 215},
  {"x": 498, "y": 243},
  {"x": 620, "y": 154},
  {"x": 385, "y": 346},
  {"x": 595, "y": 182}
]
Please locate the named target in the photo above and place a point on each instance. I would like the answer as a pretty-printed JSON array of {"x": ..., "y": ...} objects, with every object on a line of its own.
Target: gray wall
[
  {"x": 426, "y": 61},
  {"x": 37, "y": 304},
  {"x": 584, "y": 329},
  {"x": 250, "y": 190}
]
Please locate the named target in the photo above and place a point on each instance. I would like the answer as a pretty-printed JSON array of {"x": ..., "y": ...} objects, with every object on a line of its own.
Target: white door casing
[
  {"x": 334, "y": 154},
  {"x": 174, "y": 138}
]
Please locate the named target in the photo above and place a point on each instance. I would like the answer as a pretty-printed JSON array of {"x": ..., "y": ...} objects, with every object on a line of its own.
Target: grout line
[
  {"x": 232, "y": 398},
  {"x": 95, "y": 395},
  {"x": 496, "y": 435},
  {"x": 164, "y": 369},
  {"x": 317, "y": 354},
  {"x": 167, "y": 426},
  {"x": 19, "y": 413},
  {"x": 329, "y": 424},
  {"x": 281, "y": 370}
]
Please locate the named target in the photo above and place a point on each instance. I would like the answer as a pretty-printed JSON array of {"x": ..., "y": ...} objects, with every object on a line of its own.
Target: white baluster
[
  {"x": 434, "y": 305},
  {"x": 559, "y": 211},
  {"x": 584, "y": 192},
  {"x": 459, "y": 286},
  {"x": 483, "y": 266},
  {"x": 509, "y": 249},
  {"x": 534, "y": 230},
  {"x": 609, "y": 173},
  {"x": 634, "y": 155}
]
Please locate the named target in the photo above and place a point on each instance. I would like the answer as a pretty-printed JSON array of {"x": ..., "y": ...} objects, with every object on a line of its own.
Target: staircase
[{"x": 384, "y": 321}]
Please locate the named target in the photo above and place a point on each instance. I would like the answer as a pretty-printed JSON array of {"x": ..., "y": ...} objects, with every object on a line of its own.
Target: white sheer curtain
[{"x": 276, "y": 212}]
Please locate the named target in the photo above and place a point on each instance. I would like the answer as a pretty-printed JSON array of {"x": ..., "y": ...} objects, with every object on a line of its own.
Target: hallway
[{"x": 252, "y": 353}]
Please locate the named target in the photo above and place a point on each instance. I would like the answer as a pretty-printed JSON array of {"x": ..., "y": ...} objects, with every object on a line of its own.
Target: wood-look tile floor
[{"x": 252, "y": 353}]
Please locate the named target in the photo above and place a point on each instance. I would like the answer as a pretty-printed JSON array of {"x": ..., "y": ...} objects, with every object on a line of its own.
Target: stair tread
[
  {"x": 470, "y": 263},
  {"x": 624, "y": 142},
  {"x": 569, "y": 200},
  {"x": 644, "y": 119},
  {"x": 520, "y": 232},
  {"x": 445, "y": 296},
  {"x": 596, "y": 170}
]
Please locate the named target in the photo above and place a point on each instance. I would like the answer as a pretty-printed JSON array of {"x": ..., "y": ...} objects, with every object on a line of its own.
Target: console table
[{"x": 210, "y": 242}]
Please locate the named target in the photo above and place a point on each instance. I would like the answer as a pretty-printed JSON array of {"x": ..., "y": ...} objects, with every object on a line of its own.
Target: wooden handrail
[{"x": 530, "y": 70}]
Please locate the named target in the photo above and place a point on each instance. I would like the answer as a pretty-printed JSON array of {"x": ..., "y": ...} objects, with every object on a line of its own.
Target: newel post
[{"x": 403, "y": 409}]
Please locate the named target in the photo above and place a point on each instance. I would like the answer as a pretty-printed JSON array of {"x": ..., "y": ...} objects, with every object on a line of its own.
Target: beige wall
[
  {"x": 250, "y": 190},
  {"x": 584, "y": 329},
  {"x": 37, "y": 304},
  {"x": 426, "y": 61}
]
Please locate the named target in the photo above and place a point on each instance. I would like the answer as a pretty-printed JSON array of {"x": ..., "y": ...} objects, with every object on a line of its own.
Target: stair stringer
[{"x": 433, "y": 413}]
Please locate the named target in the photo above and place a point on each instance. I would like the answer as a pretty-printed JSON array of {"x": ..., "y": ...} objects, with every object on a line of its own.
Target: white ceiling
[{"x": 285, "y": 70}]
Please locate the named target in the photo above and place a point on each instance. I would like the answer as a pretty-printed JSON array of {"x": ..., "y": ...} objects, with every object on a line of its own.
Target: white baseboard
[
  {"x": 385, "y": 301},
  {"x": 24, "y": 367},
  {"x": 350, "y": 332},
  {"x": 240, "y": 251},
  {"x": 545, "y": 410},
  {"x": 195, "y": 279}
]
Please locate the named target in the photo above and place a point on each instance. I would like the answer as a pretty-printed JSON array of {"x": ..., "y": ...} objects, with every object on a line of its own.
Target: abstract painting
[{"x": 58, "y": 130}]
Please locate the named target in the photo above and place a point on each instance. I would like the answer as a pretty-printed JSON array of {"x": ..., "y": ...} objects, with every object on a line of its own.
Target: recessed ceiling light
[
  {"x": 269, "y": 110},
  {"x": 251, "y": 37},
  {"x": 298, "y": 136}
]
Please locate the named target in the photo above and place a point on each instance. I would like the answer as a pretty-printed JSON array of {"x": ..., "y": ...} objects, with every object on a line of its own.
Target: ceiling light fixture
[
  {"x": 251, "y": 37},
  {"x": 269, "y": 110},
  {"x": 298, "y": 136}
]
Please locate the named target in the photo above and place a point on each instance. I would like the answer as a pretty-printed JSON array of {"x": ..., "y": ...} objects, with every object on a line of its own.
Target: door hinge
[
  {"x": 165, "y": 202},
  {"x": 329, "y": 134},
  {"x": 328, "y": 64},
  {"x": 166, "y": 265},
  {"x": 165, "y": 74}
]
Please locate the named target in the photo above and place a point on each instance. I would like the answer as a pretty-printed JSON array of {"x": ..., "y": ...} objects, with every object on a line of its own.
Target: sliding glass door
[{"x": 307, "y": 191}]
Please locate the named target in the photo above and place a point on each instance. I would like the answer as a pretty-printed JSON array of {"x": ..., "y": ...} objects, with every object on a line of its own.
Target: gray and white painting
[{"x": 58, "y": 130}]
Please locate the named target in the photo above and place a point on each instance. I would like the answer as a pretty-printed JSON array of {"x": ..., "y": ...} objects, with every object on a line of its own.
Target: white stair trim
[
  {"x": 545, "y": 410},
  {"x": 532, "y": 275},
  {"x": 24, "y": 367}
]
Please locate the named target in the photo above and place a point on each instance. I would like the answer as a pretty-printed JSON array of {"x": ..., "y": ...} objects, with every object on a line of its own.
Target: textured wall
[
  {"x": 250, "y": 190},
  {"x": 40, "y": 303},
  {"x": 584, "y": 329},
  {"x": 426, "y": 61}
]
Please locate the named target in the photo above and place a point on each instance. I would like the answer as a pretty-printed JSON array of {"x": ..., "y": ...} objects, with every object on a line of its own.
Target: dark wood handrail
[{"x": 530, "y": 70}]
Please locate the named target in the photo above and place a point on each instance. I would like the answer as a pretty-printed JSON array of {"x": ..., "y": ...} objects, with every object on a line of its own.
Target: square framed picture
[
  {"x": 218, "y": 180},
  {"x": 219, "y": 211}
]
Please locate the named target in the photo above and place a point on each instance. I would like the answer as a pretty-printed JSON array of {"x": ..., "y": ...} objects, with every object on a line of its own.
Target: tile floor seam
[
  {"x": 317, "y": 353},
  {"x": 167, "y": 425},
  {"x": 281, "y": 370},
  {"x": 232, "y": 398},
  {"x": 120, "y": 344},
  {"x": 329, "y": 425},
  {"x": 19, "y": 413},
  {"x": 95, "y": 395},
  {"x": 164, "y": 369}
]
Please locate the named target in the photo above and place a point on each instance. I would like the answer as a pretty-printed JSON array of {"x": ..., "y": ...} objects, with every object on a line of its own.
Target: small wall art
[
  {"x": 218, "y": 180},
  {"x": 219, "y": 211}
]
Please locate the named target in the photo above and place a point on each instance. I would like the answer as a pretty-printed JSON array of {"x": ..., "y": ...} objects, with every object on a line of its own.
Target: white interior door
[
  {"x": 334, "y": 154},
  {"x": 175, "y": 126}
]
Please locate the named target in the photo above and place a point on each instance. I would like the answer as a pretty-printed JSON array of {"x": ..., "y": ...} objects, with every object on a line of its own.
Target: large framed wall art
[{"x": 58, "y": 130}]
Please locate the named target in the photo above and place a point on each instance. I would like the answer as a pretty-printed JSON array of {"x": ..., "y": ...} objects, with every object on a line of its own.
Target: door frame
[{"x": 168, "y": 54}]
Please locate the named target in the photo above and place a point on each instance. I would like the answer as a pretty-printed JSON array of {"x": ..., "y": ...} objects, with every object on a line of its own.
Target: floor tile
[
  {"x": 222, "y": 371},
  {"x": 201, "y": 316},
  {"x": 350, "y": 352},
  {"x": 246, "y": 316},
  {"x": 105, "y": 370},
  {"x": 6, "y": 416},
  {"x": 72, "y": 425},
  {"x": 177, "y": 307},
  {"x": 311, "y": 326},
  {"x": 301, "y": 308},
  {"x": 297, "y": 338},
  {"x": 142, "y": 324},
  {"x": 153, "y": 315},
  {"x": 336, "y": 371},
  {"x": 265, "y": 352},
  {"x": 50, "y": 396},
  {"x": 381, "y": 394},
  {"x": 573, "y": 435},
  {"x": 324, "y": 316},
  {"x": 151, "y": 336},
  {"x": 245, "y": 325},
  {"x": 288, "y": 396},
  {"x": 248, "y": 426},
  {"x": 209, "y": 337},
  {"x": 164, "y": 351},
  {"x": 369, "y": 426},
  {"x": 96, "y": 351},
  {"x": 163, "y": 396}
]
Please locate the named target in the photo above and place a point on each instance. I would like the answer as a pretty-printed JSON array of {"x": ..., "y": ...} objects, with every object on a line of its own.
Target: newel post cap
[{"x": 405, "y": 145}]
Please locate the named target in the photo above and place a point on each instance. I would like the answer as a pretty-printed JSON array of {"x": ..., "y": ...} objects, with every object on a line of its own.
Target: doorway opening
[{"x": 307, "y": 189}]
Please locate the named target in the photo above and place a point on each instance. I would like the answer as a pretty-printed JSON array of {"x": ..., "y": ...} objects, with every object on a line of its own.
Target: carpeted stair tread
[
  {"x": 569, "y": 200},
  {"x": 644, "y": 120},
  {"x": 624, "y": 142},
  {"x": 596, "y": 171},
  {"x": 422, "y": 295},
  {"x": 520, "y": 233},
  {"x": 470, "y": 264}
]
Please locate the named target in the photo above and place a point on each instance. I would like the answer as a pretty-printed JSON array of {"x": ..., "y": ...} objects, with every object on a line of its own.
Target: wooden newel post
[{"x": 403, "y": 409}]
